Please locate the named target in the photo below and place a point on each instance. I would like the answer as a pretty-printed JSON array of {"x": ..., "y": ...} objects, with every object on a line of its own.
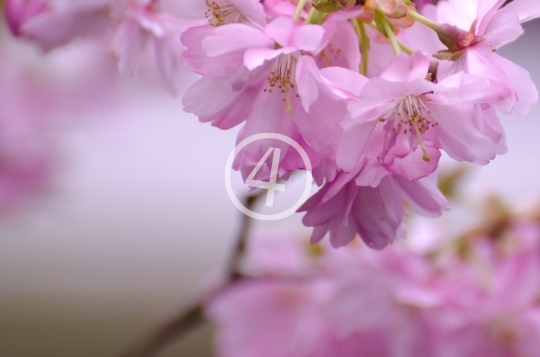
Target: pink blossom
[
  {"x": 502, "y": 317},
  {"x": 268, "y": 318},
  {"x": 415, "y": 112},
  {"x": 492, "y": 26},
  {"x": 345, "y": 209},
  {"x": 137, "y": 24},
  {"x": 389, "y": 295},
  {"x": 269, "y": 79},
  {"x": 60, "y": 21},
  {"x": 396, "y": 303},
  {"x": 219, "y": 12}
]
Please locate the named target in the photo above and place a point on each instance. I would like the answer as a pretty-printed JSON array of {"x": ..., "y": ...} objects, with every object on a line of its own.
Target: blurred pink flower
[
  {"x": 137, "y": 25},
  {"x": 268, "y": 318},
  {"x": 396, "y": 303}
]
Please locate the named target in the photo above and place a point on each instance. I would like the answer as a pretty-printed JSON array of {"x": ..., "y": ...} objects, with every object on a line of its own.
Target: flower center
[
  {"x": 328, "y": 55},
  {"x": 222, "y": 12},
  {"x": 282, "y": 74},
  {"x": 412, "y": 116}
]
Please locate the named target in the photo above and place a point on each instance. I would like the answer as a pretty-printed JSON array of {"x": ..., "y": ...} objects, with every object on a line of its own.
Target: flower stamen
[
  {"x": 413, "y": 114},
  {"x": 222, "y": 12},
  {"x": 282, "y": 73}
]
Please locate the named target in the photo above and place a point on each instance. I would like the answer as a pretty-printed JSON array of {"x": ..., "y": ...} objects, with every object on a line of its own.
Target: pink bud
[
  {"x": 455, "y": 38},
  {"x": 18, "y": 12}
]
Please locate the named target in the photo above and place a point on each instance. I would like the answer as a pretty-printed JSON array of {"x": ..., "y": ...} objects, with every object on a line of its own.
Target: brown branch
[
  {"x": 235, "y": 261},
  {"x": 170, "y": 331},
  {"x": 191, "y": 318}
]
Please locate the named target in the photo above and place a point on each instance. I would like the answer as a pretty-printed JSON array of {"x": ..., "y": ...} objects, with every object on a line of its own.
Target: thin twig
[
  {"x": 168, "y": 332},
  {"x": 235, "y": 261},
  {"x": 189, "y": 319}
]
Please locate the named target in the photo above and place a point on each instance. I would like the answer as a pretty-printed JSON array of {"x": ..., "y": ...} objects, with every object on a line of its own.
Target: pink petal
[
  {"x": 526, "y": 9},
  {"x": 526, "y": 91},
  {"x": 352, "y": 144},
  {"x": 460, "y": 138},
  {"x": 251, "y": 9},
  {"x": 235, "y": 37},
  {"x": 486, "y": 10},
  {"x": 54, "y": 29},
  {"x": 128, "y": 45}
]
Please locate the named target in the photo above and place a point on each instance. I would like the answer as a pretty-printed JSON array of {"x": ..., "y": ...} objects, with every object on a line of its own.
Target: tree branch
[
  {"x": 189, "y": 319},
  {"x": 170, "y": 331},
  {"x": 235, "y": 261}
]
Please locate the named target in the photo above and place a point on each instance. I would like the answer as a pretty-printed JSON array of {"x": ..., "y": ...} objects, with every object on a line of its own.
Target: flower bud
[
  {"x": 455, "y": 38},
  {"x": 394, "y": 9},
  {"x": 333, "y": 5},
  {"x": 18, "y": 12}
]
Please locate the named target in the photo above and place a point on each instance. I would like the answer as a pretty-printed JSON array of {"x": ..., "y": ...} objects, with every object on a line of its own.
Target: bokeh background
[{"x": 137, "y": 218}]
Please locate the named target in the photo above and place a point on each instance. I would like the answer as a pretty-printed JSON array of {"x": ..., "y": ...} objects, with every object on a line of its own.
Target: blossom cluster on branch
[
  {"x": 373, "y": 90},
  {"x": 476, "y": 295}
]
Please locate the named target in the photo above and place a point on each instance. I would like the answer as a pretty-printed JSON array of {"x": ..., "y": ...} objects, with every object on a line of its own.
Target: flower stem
[
  {"x": 360, "y": 29},
  {"x": 299, "y": 8},
  {"x": 365, "y": 47},
  {"x": 382, "y": 21},
  {"x": 424, "y": 20},
  {"x": 403, "y": 46},
  {"x": 316, "y": 17}
]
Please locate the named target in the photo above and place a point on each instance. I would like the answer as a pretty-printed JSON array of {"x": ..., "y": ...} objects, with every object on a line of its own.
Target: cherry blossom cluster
[
  {"x": 472, "y": 296},
  {"x": 373, "y": 90}
]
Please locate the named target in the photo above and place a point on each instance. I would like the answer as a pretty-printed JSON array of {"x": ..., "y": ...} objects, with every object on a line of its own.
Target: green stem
[
  {"x": 365, "y": 47},
  {"x": 360, "y": 29},
  {"x": 404, "y": 47},
  {"x": 381, "y": 20},
  {"x": 424, "y": 20},
  {"x": 316, "y": 17},
  {"x": 299, "y": 8}
]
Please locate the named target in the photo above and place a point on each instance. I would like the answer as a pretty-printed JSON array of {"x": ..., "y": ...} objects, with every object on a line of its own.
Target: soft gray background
[{"x": 139, "y": 216}]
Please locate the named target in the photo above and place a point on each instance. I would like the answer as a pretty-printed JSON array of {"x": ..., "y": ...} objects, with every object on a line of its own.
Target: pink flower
[
  {"x": 417, "y": 113},
  {"x": 345, "y": 209},
  {"x": 137, "y": 24},
  {"x": 503, "y": 317},
  {"x": 140, "y": 26},
  {"x": 385, "y": 296},
  {"x": 268, "y": 318},
  {"x": 491, "y": 26},
  {"x": 482, "y": 301},
  {"x": 269, "y": 79},
  {"x": 220, "y": 12},
  {"x": 59, "y": 22}
]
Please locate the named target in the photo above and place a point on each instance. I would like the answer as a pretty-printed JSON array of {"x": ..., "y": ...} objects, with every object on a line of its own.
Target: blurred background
[{"x": 136, "y": 218}]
